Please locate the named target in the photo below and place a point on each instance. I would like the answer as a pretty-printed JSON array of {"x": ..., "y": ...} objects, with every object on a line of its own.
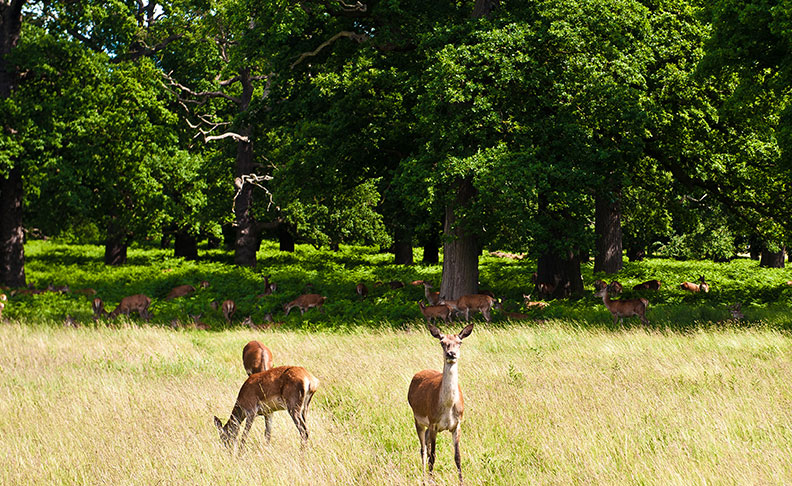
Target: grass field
[{"x": 549, "y": 403}]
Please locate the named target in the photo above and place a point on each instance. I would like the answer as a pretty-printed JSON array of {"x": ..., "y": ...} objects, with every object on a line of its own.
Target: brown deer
[
  {"x": 269, "y": 287},
  {"x": 197, "y": 324},
  {"x": 516, "y": 316},
  {"x": 204, "y": 284},
  {"x": 533, "y": 304},
  {"x": 625, "y": 307},
  {"x": 649, "y": 285},
  {"x": 476, "y": 303},
  {"x": 180, "y": 291},
  {"x": 256, "y": 357},
  {"x": 436, "y": 399},
  {"x": 702, "y": 286},
  {"x": 615, "y": 287},
  {"x": 283, "y": 388},
  {"x": 361, "y": 290},
  {"x": 305, "y": 302},
  {"x": 86, "y": 291},
  {"x": 432, "y": 312},
  {"x": 134, "y": 303},
  {"x": 432, "y": 297},
  {"x": 229, "y": 308},
  {"x": 98, "y": 309}
]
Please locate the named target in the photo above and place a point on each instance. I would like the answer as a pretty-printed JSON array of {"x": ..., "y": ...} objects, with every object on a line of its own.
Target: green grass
[
  {"x": 762, "y": 292},
  {"x": 548, "y": 403}
]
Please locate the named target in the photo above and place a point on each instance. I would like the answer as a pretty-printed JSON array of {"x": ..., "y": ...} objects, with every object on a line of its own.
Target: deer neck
[{"x": 449, "y": 386}]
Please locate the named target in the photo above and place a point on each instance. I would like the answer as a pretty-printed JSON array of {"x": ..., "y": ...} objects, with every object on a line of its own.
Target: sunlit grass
[{"x": 553, "y": 403}]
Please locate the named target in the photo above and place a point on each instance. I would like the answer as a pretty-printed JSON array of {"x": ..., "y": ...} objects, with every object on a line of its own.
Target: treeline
[{"x": 566, "y": 130}]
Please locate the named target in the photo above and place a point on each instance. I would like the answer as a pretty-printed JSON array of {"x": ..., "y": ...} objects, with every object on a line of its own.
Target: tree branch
[{"x": 344, "y": 33}]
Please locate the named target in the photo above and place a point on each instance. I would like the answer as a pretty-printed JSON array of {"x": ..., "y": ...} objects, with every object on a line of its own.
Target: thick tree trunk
[
  {"x": 115, "y": 250},
  {"x": 247, "y": 232},
  {"x": 461, "y": 248},
  {"x": 185, "y": 246},
  {"x": 772, "y": 259},
  {"x": 402, "y": 247},
  {"x": 12, "y": 235},
  {"x": 286, "y": 234},
  {"x": 607, "y": 227},
  {"x": 560, "y": 277}
]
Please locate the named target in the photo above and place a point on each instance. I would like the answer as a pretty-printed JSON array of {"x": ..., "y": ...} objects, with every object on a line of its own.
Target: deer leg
[
  {"x": 268, "y": 426},
  {"x": 431, "y": 439},
  {"x": 422, "y": 439},
  {"x": 296, "y": 415},
  {"x": 248, "y": 424},
  {"x": 457, "y": 457}
]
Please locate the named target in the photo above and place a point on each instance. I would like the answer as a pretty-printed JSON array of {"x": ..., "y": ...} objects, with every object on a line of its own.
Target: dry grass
[{"x": 547, "y": 404}]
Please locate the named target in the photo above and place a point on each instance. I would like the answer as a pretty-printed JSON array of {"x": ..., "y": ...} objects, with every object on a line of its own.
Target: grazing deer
[
  {"x": 436, "y": 399},
  {"x": 305, "y": 302},
  {"x": 431, "y": 312},
  {"x": 134, "y": 303},
  {"x": 256, "y": 357},
  {"x": 649, "y": 285},
  {"x": 432, "y": 297},
  {"x": 361, "y": 290},
  {"x": 476, "y": 303},
  {"x": 283, "y": 388},
  {"x": 702, "y": 286},
  {"x": 98, "y": 309},
  {"x": 3, "y": 300},
  {"x": 625, "y": 307},
  {"x": 180, "y": 291},
  {"x": 533, "y": 304},
  {"x": 229, "y": 308}
]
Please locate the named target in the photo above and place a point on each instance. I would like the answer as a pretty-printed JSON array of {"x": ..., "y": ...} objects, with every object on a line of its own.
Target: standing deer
[
  {"x": 229, "y": 308},
  {"x": 361, "y": 290},
  {"x": 98, "y": 309},
  {"x": 305, "y": 302},
  {"x": 180, "y": 291},
  {"x": 436, "y": 399},
  {"x": 702, "y": 286},
  {"x": 431, "y": 312},
  {"x": 256, "y": 357},
  {"x": 625, "y": 307},
  {"x": 283, "y": 388},
  {"x": 134, "y": 303},
  {"x": 476, "y": 303},
  {"x": 432, "y": 297}
]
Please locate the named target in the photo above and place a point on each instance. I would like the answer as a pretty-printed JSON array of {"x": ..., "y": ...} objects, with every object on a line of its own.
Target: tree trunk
[
  {"x": 402, "y": 247},
  {"x": 772, "y": 259},
  {"x": 115, "y": 250},
  {"x": 560, "y": 276},
  {"x": 12, "y": 235},
  {"x": 431, "y": 247},
  {"x": 185, "y": 246},
  {"x": 247, "y": 233},
  {"x": 461, "y": 249},
  {"x": 607, "y": 227},
  {"x": 286, "y": 233}
]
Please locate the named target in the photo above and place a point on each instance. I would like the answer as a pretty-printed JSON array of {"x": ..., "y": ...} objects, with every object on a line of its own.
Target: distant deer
[
  {"x": 624, "y": 307},
  {"x": 436, "y": 399},
  {"x": 3, "y": 300},
  {"x": 98, "y": 309},
  {"x": 305, "y": 302},
  {"x": 432, "y": 297},
  {"x": 361, "y": 290},
  {"x": 285, "y": 387},
  {"x": 433, "y": 312},
  {"x": 256, "y": 357},
  {"x": 476, "y": 303},
  {"x": 516, "y": 316},
  {"x": 134, "y": 303},
  {"x": 649, "y": 285},
  {"x": 180, "y": 291},
  {"x": 615, "y": 287},
  {"x": 229, "y": 308},
  {"x": 197, "y": 324},
  {"x": 736, "y": 311},
  {"x": 702, "y": 286},
  {"x": 269, "y": 287},
  {"x": 204, "y": 284},
  {"x": 533, "y": 304}
]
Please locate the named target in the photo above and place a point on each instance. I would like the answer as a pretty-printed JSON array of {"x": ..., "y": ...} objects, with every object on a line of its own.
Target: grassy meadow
[{"x": 565, "y": 398}]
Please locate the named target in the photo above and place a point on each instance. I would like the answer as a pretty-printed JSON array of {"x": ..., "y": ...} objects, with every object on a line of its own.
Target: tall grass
[{"x": 550, "y": 403}]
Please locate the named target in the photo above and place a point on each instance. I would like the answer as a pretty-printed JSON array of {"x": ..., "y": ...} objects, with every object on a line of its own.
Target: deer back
[{"x": 256, "y": 357}]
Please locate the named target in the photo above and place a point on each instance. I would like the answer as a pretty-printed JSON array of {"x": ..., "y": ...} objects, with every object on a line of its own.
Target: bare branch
[
  {"x": 357, "y": 7},
  {"x": 344, "y": 33},
  {"x": 256, "y": 180},
  {"x": 200, "y": 94}
]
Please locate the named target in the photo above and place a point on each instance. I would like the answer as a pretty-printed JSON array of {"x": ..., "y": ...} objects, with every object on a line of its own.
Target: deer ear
[
  {"x": 434, "y": 331},
  {"x": 466, "y": 331}
]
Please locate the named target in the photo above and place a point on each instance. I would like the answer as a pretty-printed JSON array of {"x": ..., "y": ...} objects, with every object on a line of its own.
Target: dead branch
[
  {"x": 344, "y": 33},
  {"x": 256, "y": 180},
  {"x": 357, "y": 7}
]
